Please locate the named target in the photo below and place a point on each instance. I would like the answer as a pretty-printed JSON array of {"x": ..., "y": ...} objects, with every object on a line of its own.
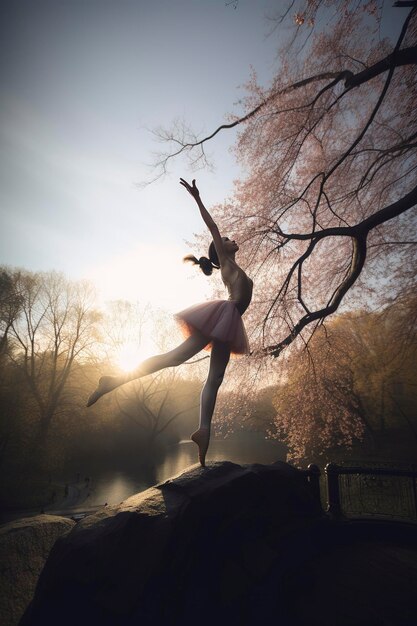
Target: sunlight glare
[
  {"x": 154, "y": 274},
  {"x": 130, "y": 355}
]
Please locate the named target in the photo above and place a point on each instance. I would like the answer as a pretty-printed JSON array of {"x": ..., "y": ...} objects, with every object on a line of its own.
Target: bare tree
[
  {"x": 56, "y": 326},
  {"x": 152, "y": 404},
  {"x": 10, "y": 304}
]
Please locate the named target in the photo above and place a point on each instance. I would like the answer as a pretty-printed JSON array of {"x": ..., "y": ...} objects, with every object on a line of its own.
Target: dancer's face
[{"x": 230, "y": 245}]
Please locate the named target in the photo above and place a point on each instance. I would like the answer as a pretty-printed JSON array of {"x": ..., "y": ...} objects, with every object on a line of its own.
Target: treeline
[
  {"x": 353, "y": 382},
  {"x": 54, "y": 345},
  {"x": 353, "y": 385}
]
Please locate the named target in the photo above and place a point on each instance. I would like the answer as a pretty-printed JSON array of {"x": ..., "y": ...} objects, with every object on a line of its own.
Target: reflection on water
[{"x": 117, "y": 486}]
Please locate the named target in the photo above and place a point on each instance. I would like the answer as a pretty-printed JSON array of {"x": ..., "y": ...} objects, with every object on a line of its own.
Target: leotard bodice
[{"x": 238, "y": 284}]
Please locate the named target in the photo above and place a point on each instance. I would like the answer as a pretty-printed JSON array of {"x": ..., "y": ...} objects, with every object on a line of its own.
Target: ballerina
[{"x": 215, "y": 325}]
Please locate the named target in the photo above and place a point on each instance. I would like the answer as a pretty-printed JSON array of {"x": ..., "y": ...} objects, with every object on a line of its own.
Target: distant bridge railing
[
  {"x": 358, "y": 491},
  {"x": 383, "y": 492}
]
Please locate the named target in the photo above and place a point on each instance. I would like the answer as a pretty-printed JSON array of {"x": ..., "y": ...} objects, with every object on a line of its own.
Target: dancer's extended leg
[
  {"x": 178, "y": 355},
  {"x": 218, "y": 362}
]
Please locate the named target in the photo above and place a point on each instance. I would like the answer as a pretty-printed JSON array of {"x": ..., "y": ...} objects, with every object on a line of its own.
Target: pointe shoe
[
  {"x": 105, "y": 384},
  {"x": 202, "y": 438}
]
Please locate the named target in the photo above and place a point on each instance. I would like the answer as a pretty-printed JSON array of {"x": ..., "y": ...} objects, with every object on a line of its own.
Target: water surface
[{"x": 113, "y": 487}]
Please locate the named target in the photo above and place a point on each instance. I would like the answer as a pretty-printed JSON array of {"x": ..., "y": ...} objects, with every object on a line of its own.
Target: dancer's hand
[
  {"x": 208, "y": 220},
  {"x": 192, "y": 189}
]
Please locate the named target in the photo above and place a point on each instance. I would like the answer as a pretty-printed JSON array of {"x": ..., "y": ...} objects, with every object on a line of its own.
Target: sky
[{"x": 83, "y": 83}]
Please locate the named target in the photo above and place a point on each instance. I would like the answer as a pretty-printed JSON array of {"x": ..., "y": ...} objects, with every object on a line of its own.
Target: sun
[
  {"x": 127, "y": 357},
  {"x": 130, "y": 355}
]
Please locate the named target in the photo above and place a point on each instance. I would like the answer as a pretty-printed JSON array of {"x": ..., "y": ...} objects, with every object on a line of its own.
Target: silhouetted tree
[
  {"x": 155, "y": 403},
  {"x": 10, "y": 304},
  {"x": 55, "y": 327}
]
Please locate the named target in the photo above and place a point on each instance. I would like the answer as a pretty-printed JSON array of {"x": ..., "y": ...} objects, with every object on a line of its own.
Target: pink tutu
[{"x": 218, "y": 320}]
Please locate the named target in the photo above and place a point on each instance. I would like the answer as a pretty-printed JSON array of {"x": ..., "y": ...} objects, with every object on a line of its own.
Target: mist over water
[{"x": 116, "y": 486}]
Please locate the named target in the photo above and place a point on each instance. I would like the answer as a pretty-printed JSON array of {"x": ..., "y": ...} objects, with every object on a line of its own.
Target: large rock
[
  {"x": 24, "y": 548},
  {"x": 228, "y": 545},
  {"x": 370, "y": 581},
  {"x": 189, "y": 550}
]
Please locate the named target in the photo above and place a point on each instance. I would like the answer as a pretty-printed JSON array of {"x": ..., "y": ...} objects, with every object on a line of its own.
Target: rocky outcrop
[
  {"x": 199, "y": 543},
  {"x": 24, "y": 548},
  {"x": 228, "y": 545}
]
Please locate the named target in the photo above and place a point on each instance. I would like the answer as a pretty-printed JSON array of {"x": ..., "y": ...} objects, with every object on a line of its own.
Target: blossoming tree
[{"x": 329, "y": 148}]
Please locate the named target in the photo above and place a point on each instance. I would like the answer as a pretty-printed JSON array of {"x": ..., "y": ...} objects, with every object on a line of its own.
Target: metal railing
[
  {"x": 371, "y": 491},
  {"x": 313, "y": 474}
]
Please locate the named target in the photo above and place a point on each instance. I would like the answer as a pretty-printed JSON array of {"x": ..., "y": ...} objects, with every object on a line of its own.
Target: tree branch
[
  {"x": 358, "y": 261},
  {"x": 406, "y": 56}
]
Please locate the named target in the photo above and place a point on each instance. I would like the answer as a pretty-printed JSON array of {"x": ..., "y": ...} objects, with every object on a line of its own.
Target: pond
[{"x": 115, "y": 486}]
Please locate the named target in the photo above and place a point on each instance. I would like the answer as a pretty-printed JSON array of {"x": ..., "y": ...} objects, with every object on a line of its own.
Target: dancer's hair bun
[{"x": 205, "y": 264}]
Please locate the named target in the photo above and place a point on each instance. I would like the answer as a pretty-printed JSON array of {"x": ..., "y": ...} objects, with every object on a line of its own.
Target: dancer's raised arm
[{"x": 208, "y": 220}]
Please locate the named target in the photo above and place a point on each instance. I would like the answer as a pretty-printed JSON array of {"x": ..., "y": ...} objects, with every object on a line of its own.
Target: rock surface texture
[
  {"x": 24, "y": 547},
  {"x": 221, "y": 545}
]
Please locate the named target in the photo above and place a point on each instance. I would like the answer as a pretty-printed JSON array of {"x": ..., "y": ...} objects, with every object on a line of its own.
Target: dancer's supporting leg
[
  {"x": 219, "y": 359},
  {"x": 178, "y": 355}
]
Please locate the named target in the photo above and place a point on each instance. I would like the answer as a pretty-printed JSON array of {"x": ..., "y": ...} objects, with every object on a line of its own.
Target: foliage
[
  {"x": 245, "y": 398},
  {"x": 354, "y": 380}
]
